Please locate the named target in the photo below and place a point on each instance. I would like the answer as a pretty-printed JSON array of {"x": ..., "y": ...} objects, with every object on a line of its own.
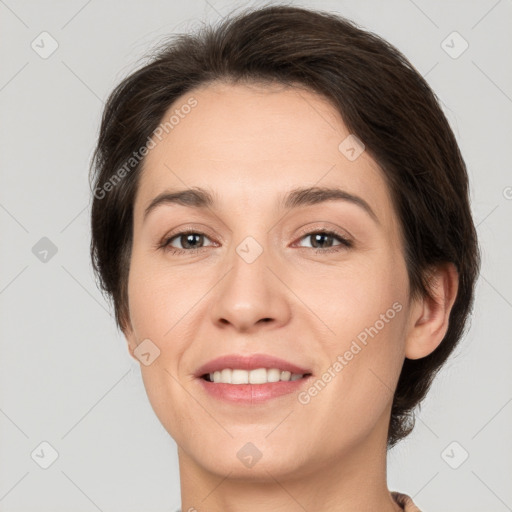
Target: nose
[{"x": 252, "y": 293}]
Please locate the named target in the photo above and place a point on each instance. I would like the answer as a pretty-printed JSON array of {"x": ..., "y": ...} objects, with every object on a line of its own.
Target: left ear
[{"x": 430, "y": 316}]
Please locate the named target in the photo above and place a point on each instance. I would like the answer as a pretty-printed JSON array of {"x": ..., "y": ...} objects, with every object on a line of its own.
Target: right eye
[{"x": 185, "y": 238}]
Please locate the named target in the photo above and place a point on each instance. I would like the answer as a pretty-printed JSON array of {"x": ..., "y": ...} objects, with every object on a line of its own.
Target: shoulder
[{"x": 405, "y": 502}]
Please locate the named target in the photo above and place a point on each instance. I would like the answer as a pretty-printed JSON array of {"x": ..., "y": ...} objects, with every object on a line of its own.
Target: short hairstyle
[{"x": 383, "y": 100}]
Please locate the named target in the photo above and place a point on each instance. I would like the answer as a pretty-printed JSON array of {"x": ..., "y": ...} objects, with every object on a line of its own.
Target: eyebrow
[{"x": 197, "y": 197}]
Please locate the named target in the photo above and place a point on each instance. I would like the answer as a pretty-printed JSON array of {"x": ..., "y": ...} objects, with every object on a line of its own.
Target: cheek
[
  {"x": 365, "y": 310},
  {"x": 157, "y": 298},
  {"x": 350, "y": 299},
  {"x": 156, "y": 307},
  {"x": 158, "y": 312}
]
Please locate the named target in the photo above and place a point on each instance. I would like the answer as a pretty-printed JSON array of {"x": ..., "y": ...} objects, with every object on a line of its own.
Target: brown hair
[{"x": 382, "y": 99}]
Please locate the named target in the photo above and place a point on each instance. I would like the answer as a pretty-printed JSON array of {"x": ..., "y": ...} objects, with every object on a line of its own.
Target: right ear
[{"x": 131, "y": 340}]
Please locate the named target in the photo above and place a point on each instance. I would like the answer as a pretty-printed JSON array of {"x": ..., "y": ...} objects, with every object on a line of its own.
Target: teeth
[
  {"x": 239, "y": 377},
  {"x": 273, "y": 375},
  {"x": 258, "y": 376}
]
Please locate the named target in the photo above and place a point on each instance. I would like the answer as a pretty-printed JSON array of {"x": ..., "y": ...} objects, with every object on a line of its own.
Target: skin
[{"x": 250, "y": 144}]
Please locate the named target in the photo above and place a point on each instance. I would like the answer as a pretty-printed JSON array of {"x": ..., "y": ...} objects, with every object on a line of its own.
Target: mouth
[
  {"x": 237, "y": 377},
  {"x": 252, "y": 379}
]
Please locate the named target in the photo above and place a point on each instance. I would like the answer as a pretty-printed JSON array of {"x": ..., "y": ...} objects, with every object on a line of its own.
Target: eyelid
[
  {"x": 325, "y": 226},
  {"x": 345, "y": 242},
  {"x": 199, "y": 229}
]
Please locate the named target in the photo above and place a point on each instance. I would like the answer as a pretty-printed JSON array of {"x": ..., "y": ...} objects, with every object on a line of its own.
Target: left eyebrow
[
  {"x": 314, "y": 195},
  {"x": 197, "y": 197}
]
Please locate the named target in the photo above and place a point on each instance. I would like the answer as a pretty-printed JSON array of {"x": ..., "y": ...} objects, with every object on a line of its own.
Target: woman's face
[{"x": 263, "y": 281}]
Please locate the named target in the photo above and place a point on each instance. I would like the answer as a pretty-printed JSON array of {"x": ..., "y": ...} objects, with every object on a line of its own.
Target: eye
[
  {"x": 191, "y": 241},
  {"x": 325, "y": 238}
]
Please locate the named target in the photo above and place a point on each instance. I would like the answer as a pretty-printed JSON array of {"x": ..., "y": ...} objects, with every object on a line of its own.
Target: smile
[
  {"x": 257, "y": 376},
  {"x": 250, "y": 379}
]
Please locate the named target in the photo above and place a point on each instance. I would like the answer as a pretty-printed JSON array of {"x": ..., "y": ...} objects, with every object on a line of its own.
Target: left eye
[{"x": 319, "y": 238}]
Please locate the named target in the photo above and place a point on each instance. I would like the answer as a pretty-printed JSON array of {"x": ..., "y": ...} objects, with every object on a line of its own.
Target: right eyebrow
[{"x": 193, "y": 197}]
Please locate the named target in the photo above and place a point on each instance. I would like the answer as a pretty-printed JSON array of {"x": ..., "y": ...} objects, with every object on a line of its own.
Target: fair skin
[{"x": 249, "y": 146}]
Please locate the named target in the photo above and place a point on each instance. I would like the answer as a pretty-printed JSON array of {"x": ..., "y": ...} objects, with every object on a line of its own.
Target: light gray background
[{"x": 65, "y": 373}]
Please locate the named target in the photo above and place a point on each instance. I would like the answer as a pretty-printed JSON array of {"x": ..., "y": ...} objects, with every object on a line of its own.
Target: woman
[{"x": 281, "y": 218}]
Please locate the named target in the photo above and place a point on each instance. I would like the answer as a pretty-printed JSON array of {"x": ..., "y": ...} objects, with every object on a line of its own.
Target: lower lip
[{"x": 248, "y": 394}]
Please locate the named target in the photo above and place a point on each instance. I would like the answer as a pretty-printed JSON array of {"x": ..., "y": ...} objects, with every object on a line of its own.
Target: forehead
[{"x": 248, "y": 142}]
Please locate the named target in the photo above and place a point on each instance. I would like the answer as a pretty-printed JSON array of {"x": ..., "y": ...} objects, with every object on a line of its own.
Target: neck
[{"x": 354, "y": 481}]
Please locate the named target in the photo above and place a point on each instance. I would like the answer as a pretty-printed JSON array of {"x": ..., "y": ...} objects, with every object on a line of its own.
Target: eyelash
[{"x": 345, "y": 243}]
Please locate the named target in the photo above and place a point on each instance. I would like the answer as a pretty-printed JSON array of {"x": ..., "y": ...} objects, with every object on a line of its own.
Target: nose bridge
[{"x": 250, "y": 292}]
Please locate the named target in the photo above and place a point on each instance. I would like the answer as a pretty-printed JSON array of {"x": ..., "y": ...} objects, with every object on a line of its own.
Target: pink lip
[
  {"x": 252, "y": 362},
  {"x": 249, "y": 394}
]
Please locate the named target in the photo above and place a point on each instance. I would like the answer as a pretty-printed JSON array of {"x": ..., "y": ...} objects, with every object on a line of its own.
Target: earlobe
[
  {"x": 430, "y": 319},
  {"x": 130, "y": 340},
  {"x": 130, "y": 349}
]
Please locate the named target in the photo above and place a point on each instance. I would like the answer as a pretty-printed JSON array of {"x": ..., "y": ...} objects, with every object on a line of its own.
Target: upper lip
[{"x": 249, "y": 362}]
